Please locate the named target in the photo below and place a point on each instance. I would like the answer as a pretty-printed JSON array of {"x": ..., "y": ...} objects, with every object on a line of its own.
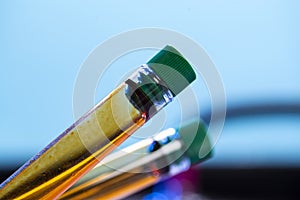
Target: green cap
[
  {"x": 173, "y": 69},
  {"x": 197, "y": 144}
]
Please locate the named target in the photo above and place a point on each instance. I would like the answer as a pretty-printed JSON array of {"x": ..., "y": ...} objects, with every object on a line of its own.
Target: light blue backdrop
[{"x": 254, "y": 44}]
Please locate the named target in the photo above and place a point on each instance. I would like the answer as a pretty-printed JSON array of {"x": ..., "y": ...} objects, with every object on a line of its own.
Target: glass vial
[{"x": 77, "y": 150}]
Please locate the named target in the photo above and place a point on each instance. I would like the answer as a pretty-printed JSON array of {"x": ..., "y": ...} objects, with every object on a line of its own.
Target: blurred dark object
[
  {"x": 259, "y": 183},
  {"x": 235, "y": 110}
]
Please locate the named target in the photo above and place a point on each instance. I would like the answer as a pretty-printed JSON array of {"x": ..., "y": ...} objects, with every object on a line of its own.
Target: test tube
[
  {"x": 143, "y": 164},
  {"x": 78, "y": 149}
]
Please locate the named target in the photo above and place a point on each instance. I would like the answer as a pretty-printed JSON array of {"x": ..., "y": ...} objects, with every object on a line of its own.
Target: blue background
[{"x": 254, "y": 44}]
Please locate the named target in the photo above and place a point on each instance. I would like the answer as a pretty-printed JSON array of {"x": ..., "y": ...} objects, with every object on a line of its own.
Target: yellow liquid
[
  {"x": 85, "y": 143},
  {"x": 117, "y": 187}
]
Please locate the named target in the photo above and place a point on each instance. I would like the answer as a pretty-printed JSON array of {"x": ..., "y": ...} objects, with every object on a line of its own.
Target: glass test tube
[
  {"x": 143, "y": 164},
  {"x": 77, "y": 150}
]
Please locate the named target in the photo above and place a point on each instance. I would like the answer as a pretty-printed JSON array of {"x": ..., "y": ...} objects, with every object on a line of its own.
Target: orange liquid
[
  {"x": 76, "y": 152},
  {"x": 118, "y": 187}
]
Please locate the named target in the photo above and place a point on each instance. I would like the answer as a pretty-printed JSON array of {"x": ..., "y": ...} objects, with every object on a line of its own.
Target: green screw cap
[
  {"x": 173, "y": 69},
  {"x": 198, "y": 146}
]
